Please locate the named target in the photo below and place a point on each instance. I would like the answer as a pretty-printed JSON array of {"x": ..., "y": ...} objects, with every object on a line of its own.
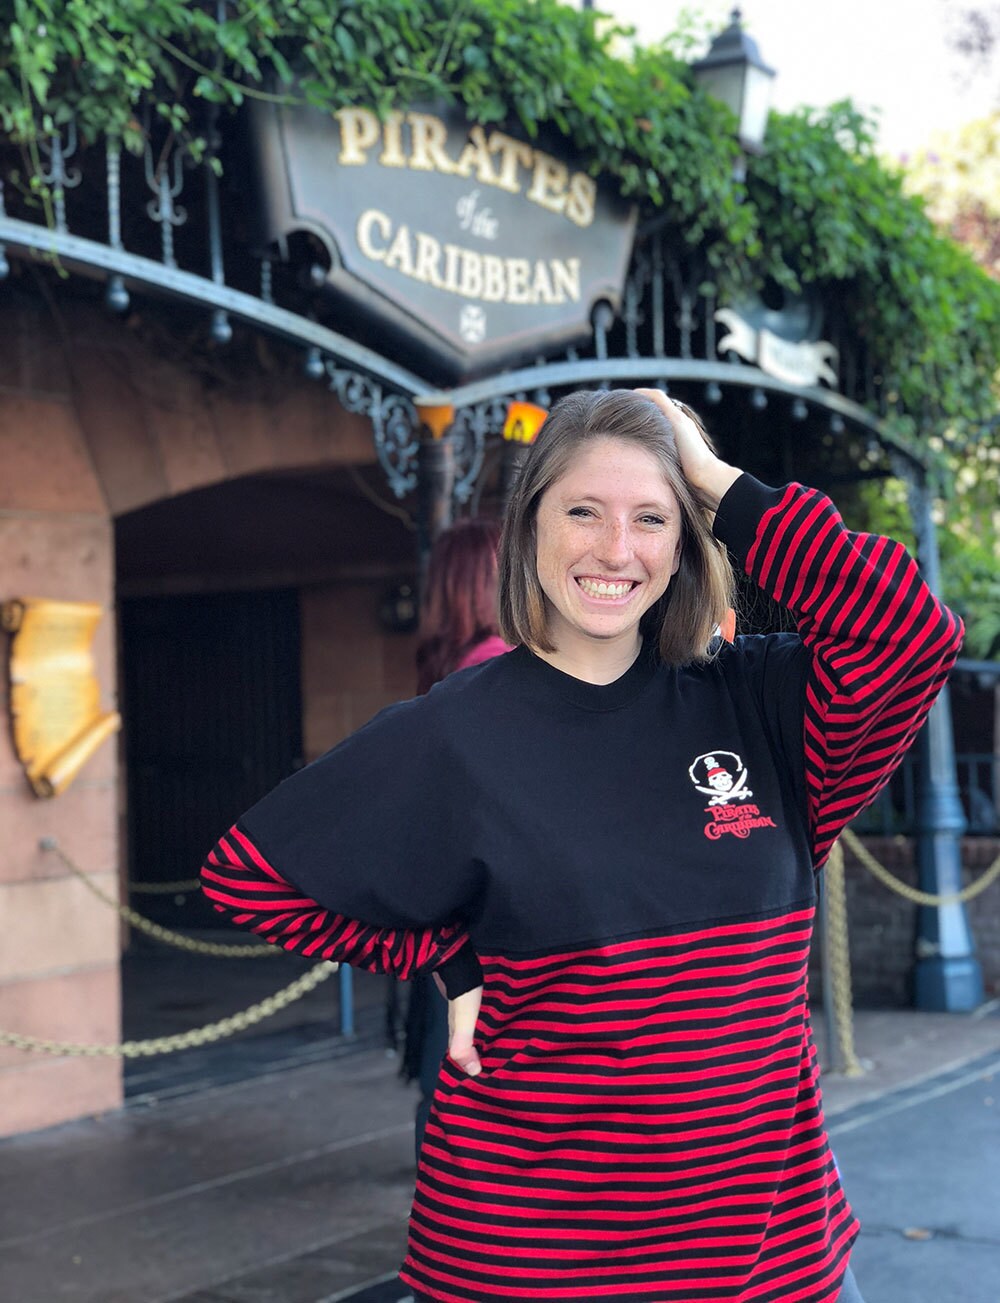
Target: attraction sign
[{"x": 476, "y": 248}]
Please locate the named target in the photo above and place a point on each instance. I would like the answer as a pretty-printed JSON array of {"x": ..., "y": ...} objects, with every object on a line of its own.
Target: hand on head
[{"x": 708, "y": 474}]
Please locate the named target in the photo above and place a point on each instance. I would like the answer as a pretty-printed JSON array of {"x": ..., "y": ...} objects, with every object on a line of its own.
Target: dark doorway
[{"x": 213, "y": 720}]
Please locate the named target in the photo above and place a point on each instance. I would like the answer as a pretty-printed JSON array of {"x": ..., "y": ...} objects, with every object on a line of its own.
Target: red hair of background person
[{"x": 460, "y": 598}]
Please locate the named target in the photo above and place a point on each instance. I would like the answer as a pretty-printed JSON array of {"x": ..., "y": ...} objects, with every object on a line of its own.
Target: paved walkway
[
  {"x": 293, "y": 1186},
  {"x": 922, "y": 1168}
]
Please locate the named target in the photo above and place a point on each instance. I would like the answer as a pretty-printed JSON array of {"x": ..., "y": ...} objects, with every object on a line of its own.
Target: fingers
[
  {"x": 463, "y": 1013},
  {"x": 657, "y": 396},
  {"x": 463, "y": 1054},
  {"x": 708, "y": 475},
  {"x": 680, "y": 415},
  {"x": 692, "y": 443}
]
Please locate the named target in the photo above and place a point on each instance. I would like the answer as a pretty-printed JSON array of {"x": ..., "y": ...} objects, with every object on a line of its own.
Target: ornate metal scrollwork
[
  {"x": 116, "y": 296},
  {"x": 394, "y": 424},
  {"x": 222, "y": 331},
  {"x": 163, "y": 209},
  {"x": 266, "y": 280},
  {"x": 656, "y": 277},
  {"x": 684, "y": 294},
  {"x": 469, "y": 431},
  {"x": 60, "y": 177}
]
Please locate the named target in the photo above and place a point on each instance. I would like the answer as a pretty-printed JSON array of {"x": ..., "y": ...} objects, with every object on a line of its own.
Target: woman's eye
[
  {"x": 580, "y": 511},
  {"x": 652, "y": 520}
]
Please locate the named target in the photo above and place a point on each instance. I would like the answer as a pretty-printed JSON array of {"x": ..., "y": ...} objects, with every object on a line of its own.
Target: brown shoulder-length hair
[
  {"x": 459, "y": 608},
  {"x": 684, "y": 621}
]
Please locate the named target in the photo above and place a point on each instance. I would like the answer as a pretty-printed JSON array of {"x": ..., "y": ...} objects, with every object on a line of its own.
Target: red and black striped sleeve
[
  {"x": 240, "y": 883},
  {"x": 367, "y": 832},
  {"x": 881, "y": 644}
]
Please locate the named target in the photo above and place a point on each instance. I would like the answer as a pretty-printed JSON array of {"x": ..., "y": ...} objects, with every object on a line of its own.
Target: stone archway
[{"x": 97, "y": 423}]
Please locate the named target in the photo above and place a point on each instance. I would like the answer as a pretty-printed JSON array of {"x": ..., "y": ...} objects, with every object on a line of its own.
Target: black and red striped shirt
[{"x": 630, "y": 868}]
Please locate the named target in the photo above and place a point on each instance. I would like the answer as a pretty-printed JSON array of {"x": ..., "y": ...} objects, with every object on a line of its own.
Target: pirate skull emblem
[{"x": 721, "y": 776}]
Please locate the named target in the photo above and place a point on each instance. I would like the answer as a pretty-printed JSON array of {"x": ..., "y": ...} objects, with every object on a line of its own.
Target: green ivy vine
[{"x": 818, "y": 207}]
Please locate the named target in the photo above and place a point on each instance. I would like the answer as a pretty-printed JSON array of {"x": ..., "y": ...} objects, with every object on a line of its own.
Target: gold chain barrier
[
  {"x": 215, "y": 1031},
  {"x": 837, "y": 964},
  {"x": 143, "y": 924},
  {"x": 206, "y": 1035},
  {"x": 835, "y": 939},
  {"x": 914, "y": 894}
]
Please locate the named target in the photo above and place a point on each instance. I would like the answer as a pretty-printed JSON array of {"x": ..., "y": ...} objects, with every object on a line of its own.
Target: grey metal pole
[
  {"x": 435, "y": 489},
  {"x": 947, "y": 976}
]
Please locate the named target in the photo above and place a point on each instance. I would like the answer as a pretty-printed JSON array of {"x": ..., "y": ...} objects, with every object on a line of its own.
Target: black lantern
[{"x": 733, "y": 71}]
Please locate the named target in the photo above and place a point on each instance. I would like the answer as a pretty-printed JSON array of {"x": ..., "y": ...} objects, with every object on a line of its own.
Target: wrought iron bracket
[
  {"x": 394, "y": 424},
  {"x": 468, "y": 433}
]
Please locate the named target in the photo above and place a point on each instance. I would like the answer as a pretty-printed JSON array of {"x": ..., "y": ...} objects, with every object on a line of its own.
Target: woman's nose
[{"x": 614, "y": 546}]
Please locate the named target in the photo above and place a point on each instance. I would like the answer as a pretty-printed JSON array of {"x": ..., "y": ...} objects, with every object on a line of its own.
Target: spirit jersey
[{"x": 629, "y": 870}]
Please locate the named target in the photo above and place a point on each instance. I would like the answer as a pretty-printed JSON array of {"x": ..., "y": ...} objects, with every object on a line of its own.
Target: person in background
[
  {"x": 605, "y": 843},
  {"x": 458, "y": 629},
  {"x": 458, "y": 610}
]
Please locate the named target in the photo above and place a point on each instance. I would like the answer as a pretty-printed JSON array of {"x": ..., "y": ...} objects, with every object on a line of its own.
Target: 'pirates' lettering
[
  {"x": 495, "y": 159},
  {"x": 739, "y": 820}
]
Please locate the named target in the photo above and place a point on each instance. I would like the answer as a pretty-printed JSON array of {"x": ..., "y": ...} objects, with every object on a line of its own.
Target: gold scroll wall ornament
[{"x": 54, "y": 693}]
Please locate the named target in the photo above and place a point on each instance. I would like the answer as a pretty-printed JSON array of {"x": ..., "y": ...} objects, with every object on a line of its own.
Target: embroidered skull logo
[{"x": 721, "y": 776}]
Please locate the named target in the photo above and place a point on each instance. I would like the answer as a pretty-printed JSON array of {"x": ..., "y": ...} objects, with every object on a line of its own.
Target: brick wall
[
  {"x": 59, "y": 959},
  {"x": 95, "y": 421}
]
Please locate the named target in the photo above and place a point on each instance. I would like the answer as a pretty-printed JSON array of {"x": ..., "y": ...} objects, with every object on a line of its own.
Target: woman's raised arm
[{"x": 881, "y": 644}]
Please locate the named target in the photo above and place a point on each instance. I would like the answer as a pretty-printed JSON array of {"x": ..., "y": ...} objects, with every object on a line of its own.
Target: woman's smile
[{"x": 607, "y": 590}]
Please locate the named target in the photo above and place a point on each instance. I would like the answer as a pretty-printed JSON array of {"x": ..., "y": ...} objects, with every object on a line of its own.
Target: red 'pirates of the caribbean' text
[{"x": 740, "y": 820}]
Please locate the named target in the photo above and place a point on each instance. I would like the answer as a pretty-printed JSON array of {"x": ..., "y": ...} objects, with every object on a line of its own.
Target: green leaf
[
  {"x": 346, "y": 42},
  {"x": 282, "y": 67}
]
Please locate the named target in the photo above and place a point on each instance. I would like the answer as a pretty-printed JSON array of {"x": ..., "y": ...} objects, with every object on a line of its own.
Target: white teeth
[{"x": 600, "y": 588}]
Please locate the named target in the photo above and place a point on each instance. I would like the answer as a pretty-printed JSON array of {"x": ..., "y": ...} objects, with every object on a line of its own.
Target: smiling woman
[
  {"x": 608, "y": 546},
  {"x": 604, "y": 844},
  {"x": 605, "y": 501}
]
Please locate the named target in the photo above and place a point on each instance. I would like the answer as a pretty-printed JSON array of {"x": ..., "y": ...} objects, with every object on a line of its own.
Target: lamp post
[
  {"x": 733, "y": 71},
  {"x": 948, "y": 977}
]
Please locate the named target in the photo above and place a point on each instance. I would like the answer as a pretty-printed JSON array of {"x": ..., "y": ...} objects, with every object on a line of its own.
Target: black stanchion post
[{"x": 435, "y": 481}]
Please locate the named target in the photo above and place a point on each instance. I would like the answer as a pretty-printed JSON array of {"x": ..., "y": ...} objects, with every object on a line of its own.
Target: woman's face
[{"x": 608, "y": 542}]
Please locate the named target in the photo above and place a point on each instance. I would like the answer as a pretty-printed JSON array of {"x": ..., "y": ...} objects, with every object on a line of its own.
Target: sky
[{"x": 890, "y": 55}]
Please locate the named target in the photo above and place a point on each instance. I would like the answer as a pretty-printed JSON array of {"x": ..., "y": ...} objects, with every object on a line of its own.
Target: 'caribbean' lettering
[
  {"x": 474, "y": 275},
  {"x": 739, "y": 820}
]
